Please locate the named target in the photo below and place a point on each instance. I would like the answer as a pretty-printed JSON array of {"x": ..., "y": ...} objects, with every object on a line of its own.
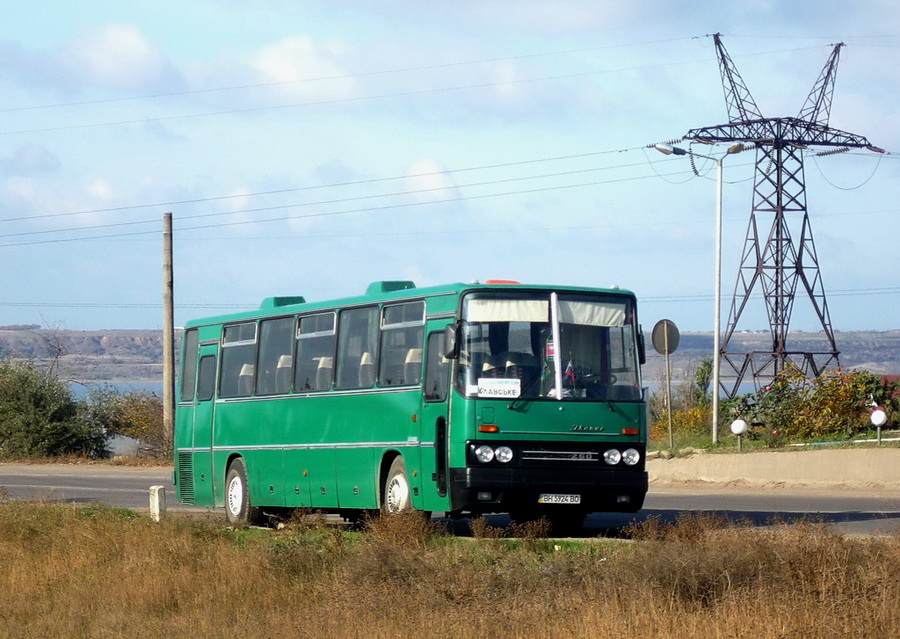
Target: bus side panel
[
  {"x": 322, "y": 478},
  {"x": 245, "y": 428},
  {"x": 297, "y": 464},
  {"x": 371, "y": 426}
]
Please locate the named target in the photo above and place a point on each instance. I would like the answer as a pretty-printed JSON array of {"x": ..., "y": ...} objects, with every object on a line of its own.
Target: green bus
[{"x": 464, "y": 399}]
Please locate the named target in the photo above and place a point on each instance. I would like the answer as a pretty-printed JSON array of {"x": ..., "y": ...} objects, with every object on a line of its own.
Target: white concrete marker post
[{"x": 157, "y": 502}]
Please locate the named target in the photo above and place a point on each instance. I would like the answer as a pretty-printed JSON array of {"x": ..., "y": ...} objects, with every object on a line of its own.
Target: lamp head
[{"x": 668, "y": 149}]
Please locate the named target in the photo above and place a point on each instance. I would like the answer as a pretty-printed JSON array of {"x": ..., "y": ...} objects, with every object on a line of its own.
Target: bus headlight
[
  {"x": 630, "y": 457},
  {"x": 484, "y": 454},
  {"x": 504, "y": 454},
  {"x": 612, "y": 456}
]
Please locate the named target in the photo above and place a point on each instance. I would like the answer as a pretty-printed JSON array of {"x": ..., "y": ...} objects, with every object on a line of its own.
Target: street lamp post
[{"x": 734, "y": 148}]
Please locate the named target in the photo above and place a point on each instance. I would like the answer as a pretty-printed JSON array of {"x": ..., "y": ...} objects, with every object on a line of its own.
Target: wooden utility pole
[{"x": 168, "y": 335}]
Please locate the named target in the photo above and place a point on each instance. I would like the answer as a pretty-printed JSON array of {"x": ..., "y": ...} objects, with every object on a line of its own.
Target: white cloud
[
  {"x": 306, "y": 67},
  {"x": 428, "y": 181},
  {"x": 117, "y": 56}
]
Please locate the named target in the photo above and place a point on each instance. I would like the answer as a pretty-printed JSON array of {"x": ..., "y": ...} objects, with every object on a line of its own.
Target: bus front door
[{"x": 434, "y": 425}]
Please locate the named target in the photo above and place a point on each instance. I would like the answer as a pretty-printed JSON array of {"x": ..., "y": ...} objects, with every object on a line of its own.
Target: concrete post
[{"x": 157, "y": 502}]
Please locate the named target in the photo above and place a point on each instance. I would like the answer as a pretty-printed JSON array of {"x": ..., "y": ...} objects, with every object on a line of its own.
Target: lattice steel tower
[{"x": 784, "y": 262}]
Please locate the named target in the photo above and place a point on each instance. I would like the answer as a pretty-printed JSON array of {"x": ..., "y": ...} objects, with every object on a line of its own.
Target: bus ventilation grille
[{"x": 185, "y": 478}]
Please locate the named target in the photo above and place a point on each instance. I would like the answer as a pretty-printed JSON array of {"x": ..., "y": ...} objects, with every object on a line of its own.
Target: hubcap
[
  {"x": 398, "y": 495},
  {"x": 235, "y": 495}
]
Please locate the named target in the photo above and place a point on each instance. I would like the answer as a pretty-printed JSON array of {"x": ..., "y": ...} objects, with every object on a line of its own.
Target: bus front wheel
[
  {"x": 396, "y": 497},
  {"x": 238, "y": 509}
]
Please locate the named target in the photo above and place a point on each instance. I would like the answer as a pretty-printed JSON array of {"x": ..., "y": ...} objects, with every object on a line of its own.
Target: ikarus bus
[{"x": 464, "y": 399}]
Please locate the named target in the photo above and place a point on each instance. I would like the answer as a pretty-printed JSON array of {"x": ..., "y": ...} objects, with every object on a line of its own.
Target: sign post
[{"x": 665, "y": 338}]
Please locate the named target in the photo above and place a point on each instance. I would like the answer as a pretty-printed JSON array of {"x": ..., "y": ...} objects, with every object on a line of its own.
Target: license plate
[{"x": 556, "y": 498}]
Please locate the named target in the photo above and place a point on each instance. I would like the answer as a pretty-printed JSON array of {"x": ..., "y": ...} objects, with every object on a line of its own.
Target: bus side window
[
  {"x": 238, "y": 360},
  {"x": 437, "y": 369},
  {"x": 402, "y": 330},
  {"x": 315, "y": 352},
  {"x": 189, "y": 365},
  {"x": 206, "y": 379},
  {"x": 357, "y": 344},
  {"x": 275, "y": 346}
]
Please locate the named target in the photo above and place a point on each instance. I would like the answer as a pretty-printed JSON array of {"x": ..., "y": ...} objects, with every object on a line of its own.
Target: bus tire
[
  {"x": 396, "y": 495},
  {"x": 238, "y": 509}
]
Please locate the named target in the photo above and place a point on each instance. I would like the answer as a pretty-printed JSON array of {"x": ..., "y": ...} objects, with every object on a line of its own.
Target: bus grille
[{"x": 185, "y": 478}]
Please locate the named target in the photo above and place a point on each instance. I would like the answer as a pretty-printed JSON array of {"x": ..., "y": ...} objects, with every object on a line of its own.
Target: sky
[{"x": 310, "y": 147}]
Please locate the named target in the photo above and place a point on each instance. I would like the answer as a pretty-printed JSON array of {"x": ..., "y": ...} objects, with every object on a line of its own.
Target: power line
[
  {"x": 348, "y": 100},
  {"x": 335, "y": 200},
  {"x": 344, "y": 76},
  {"x": 891, "y": 290},
  {"x": 500, "y": 165},
  {"x": 320, "y": 214}
]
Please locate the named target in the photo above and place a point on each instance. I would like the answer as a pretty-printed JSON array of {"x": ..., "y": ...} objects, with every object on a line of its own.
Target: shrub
[
  {"x": 39, "y": 417},
  {"x": 835, "y": 404}
]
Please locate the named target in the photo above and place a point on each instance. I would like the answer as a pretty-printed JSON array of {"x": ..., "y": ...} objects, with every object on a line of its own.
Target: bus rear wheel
[
  {"x": 396, "y": 496},
  {"x": 238, "y": 509}
]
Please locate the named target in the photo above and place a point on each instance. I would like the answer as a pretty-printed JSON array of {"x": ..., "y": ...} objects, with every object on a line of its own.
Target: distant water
[{"x": 80, "y": 389}]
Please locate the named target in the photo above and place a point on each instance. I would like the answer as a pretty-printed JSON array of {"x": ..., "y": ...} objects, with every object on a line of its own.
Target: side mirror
[
  {"x": 642, "y": 350},
  {"x": 451, "y": 341}
]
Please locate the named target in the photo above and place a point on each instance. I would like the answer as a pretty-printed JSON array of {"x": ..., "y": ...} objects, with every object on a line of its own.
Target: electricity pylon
[{"x": 785, "y": 261}]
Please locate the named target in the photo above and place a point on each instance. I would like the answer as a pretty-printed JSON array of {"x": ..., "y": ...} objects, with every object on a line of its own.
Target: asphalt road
[{"x": 850, "y": 511}]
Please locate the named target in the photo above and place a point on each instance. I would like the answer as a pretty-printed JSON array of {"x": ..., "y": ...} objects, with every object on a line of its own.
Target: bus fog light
[
  {"x": 630, "y": 457},
  {"x": 484, "y": 454},
  {"x": 612, "y": 457},
  {"x": 504, "y": 454}
]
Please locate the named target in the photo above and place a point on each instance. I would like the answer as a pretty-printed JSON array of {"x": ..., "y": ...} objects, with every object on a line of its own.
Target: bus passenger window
[
  {"x": 357, "y": 345},
  {"x": 238, "y": 360},
  {"x": 402, "y": 330},
  {"x": 315, "y": 352},
  {"x": 275, "y": 346}
]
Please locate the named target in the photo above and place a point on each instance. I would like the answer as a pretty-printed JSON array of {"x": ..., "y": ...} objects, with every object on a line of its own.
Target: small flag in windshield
[{"x": 570, "y": 373}]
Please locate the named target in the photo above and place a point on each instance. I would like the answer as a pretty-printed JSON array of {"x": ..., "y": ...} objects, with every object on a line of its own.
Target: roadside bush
[
  {"x": 138, "y": 415},
  {"x": 40, "y": 418},
  {"x": 835, "y": 404}
]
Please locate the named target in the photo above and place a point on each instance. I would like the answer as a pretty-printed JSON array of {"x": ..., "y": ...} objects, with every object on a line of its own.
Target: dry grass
[{"x": 95, "y": 572}]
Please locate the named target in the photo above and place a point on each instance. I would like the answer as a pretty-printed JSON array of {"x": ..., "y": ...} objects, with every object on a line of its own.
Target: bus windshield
[{"x": 508, "y": 348}]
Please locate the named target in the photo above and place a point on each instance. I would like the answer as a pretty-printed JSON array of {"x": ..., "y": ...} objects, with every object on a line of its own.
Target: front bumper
[{"x": 495, "y": 489}]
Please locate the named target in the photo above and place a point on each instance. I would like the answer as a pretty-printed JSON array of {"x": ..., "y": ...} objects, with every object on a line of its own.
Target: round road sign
[{"x": 665, "y": 337}]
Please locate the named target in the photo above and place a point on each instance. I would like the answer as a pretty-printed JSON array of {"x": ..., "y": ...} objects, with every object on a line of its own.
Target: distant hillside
[
  {"x": 874, "y": 351},
  {"x": 133, "y": 356},
  {"x": 89, "y": 356}
]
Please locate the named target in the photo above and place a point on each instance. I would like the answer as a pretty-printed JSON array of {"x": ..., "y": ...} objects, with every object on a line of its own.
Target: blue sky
[{"x": 312, "y": 147}]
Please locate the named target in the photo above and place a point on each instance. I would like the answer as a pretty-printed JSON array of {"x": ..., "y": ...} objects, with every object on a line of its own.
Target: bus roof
[{"x": 386, "y": 291}]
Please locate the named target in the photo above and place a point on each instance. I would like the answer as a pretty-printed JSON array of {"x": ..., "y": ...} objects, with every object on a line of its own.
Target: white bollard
[{"x": 157, "y": 502}]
